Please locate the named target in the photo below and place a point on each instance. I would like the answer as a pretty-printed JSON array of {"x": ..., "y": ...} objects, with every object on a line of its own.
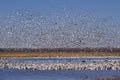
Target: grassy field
[{"x": 57, "y": 54}]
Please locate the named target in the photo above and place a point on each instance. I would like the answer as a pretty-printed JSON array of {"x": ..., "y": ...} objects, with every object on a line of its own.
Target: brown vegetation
[
  {"x": 108, "y": 79},
  {"x": 57, "y": 54}
]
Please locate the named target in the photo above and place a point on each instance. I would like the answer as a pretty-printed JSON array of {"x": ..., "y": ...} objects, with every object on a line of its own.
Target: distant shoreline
[
  {"x": 101, "y": 49},
  {"x": 59, "y": 52}
]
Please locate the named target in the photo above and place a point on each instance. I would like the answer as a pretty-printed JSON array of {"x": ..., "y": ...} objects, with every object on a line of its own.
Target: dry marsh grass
[
  {"x": 108, "y": 79},
  {"x": 57, "y": 54}
]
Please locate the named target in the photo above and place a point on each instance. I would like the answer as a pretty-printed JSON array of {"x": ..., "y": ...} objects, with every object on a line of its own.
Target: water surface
[{"x": 15, "y": 74}]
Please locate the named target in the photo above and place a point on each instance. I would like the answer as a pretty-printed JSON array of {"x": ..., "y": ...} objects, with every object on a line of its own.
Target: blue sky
[{"x": 102, "y": 7}]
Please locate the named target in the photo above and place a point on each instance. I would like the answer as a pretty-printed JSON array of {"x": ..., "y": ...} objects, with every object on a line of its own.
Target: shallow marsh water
[
  {"x": 15, "y": 74},
  {"x": 54, "y": 60}
]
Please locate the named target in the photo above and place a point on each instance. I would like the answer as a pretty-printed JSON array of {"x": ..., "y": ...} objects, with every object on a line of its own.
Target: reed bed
[{"x": 58, "y": 54}]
